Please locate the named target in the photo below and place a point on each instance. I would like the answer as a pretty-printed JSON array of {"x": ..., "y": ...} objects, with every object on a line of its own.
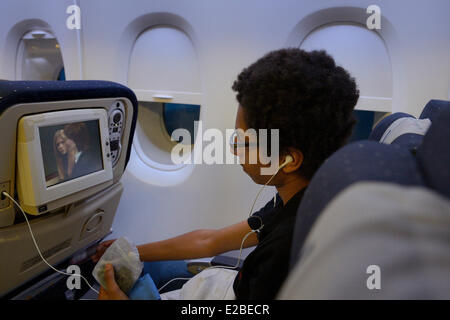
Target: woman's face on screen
[
  {"x": 64, "y": 144},
  {"x": 61, "y": 145}
]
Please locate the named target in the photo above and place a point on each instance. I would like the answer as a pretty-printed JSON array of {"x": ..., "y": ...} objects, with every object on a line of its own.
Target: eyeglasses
[{"x": 239, "y": 141}]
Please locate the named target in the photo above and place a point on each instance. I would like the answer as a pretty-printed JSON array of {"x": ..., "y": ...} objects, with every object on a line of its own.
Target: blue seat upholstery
[
  {"x": 359, "y": 161},
  {"x": 410, "y": 140},
  {"x": 433, "y": 108},
  {"x": 373, "y": 161},
  {"x": 382, "y": 126},
  {"x": 433, "y": 155}
]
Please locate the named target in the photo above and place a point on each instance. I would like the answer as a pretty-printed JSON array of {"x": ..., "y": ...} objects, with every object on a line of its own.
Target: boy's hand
[
  {"x": 112, "y": 290},
  {"x": 101, "y": 248}
]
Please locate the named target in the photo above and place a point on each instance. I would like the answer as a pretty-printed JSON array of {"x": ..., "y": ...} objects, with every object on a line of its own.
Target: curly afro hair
[{"x": 303, "y": 94}]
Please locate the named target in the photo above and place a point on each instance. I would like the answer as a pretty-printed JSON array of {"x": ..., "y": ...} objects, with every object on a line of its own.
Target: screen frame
[{"x": 33, "y": 191}]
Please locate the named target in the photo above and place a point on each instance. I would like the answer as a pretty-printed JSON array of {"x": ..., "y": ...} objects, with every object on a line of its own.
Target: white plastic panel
[
  {"x": 361, "y": 52},
  {"x": 153, "y": 143},
  {"x": 163, "y": 66}
]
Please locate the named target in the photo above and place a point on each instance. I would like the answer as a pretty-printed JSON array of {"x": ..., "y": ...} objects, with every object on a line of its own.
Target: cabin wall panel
[{"x": 227, "y": 36}]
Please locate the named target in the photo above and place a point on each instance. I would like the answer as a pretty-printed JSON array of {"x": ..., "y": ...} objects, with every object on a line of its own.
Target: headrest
[
  {"x": 384, "y": 124},
  {"x": 15, "y": 92},
  {"x": 356, "y": 162},
  {"x": 434, "y": 154},
  {"x": 401, "y": 129},
  {"x": 433, "y": 108}
]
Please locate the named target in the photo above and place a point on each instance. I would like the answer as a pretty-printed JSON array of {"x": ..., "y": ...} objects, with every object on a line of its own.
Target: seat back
[
  {"x": 433, "y": 155},
  {"x": 359, "y": 161},
  {"x": 395, "y": 162}
]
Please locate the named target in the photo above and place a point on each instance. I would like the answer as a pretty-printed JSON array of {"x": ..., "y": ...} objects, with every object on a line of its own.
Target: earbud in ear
[{"x": 287, "y": 160}]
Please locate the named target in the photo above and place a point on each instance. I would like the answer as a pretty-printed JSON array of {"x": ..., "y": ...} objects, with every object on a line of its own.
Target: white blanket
[{"x": 210, "y": 284}]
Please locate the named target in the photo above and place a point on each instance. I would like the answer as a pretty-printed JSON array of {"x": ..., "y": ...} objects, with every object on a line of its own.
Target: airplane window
[
  {"x": 365, "y": 122},
  {"x": 39, "y": 57},
  {"x": 164, "y": 73},
  {"x": 156, "y": 122}
]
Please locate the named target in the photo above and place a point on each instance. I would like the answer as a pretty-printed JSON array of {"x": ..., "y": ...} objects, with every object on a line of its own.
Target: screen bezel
[{"x": 30, "y": 136}]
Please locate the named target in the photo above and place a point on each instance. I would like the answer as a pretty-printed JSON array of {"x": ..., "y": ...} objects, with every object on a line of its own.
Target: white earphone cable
[
  {"x": 261, "y": 189},
  {"x": 222, "y": 267},
  {"x": 243, "y": 239},
  {"x": 37, "y": 247}
]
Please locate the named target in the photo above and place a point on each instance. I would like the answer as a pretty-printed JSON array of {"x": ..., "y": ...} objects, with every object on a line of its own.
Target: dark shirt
[
  {"x": 265, "y": 268},
  {"x": 87, "y": 163}
]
